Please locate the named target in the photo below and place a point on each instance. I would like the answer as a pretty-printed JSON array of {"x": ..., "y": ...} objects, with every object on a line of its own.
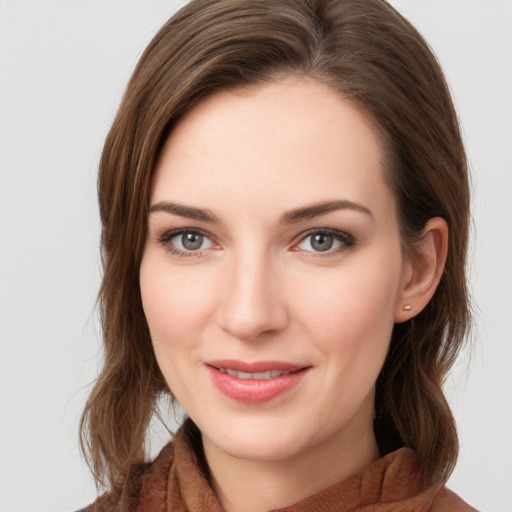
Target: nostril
[{"x": 250, "y": 306}]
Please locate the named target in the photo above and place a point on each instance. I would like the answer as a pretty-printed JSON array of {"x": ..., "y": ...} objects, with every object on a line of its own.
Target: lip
[{"x": 255, "y": 390}]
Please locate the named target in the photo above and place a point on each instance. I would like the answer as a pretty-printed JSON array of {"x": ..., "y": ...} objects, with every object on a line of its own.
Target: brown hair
[{"x": 372, "y": 56}]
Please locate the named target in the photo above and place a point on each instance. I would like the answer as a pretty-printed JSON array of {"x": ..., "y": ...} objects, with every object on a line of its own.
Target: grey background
[{"x": 63, "y": 67}]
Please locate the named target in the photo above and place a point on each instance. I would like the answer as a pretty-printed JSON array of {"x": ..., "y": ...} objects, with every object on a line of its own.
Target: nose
[{"x": 252, "y": 298}]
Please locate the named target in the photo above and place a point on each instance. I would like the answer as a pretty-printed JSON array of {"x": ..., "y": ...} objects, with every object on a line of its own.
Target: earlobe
[{"x": 423, "y": 273}]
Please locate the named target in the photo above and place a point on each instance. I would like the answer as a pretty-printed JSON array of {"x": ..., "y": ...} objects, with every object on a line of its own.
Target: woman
[{"x": 284, "y": 200}]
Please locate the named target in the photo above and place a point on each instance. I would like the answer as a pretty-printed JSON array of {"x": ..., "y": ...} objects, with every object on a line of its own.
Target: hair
[{"x": 372, "y": 57}]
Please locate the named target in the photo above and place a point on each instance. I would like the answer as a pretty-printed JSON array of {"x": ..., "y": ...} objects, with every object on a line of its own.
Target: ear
[{"x": 422, "y": 273}]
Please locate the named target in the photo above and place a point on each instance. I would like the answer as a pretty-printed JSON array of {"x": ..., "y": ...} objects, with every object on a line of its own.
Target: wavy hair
[{"x": 371, "y": 56}]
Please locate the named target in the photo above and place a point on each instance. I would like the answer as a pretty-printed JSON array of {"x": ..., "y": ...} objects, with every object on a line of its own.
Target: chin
[
  {"x": 264, "y": 439},
  {"x": 259, "y": 447}
]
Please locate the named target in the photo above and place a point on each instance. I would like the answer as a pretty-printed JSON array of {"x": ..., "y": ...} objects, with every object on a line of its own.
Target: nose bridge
[{"x": 252, "y": 300}]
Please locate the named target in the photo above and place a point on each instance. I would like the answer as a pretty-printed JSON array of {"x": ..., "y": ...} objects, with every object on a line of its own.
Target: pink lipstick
[{"x": 255, "y": 383}]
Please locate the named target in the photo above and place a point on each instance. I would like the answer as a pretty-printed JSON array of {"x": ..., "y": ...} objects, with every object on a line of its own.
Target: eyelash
[
  {"x": 165, "y": 240},
  {"x": 346, "y": 240}
]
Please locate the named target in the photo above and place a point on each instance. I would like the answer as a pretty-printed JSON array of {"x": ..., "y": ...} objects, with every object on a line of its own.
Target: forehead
[{"x": 292, "y": 141}]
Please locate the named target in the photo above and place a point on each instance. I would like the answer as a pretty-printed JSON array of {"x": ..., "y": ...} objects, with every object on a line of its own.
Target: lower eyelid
[
  {"x": 165, "y": 239},
  {"x": 343, "y": 238}
]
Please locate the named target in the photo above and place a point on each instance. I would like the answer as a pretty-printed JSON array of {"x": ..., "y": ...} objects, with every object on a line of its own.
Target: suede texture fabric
[{"x": 176, "y": 482}]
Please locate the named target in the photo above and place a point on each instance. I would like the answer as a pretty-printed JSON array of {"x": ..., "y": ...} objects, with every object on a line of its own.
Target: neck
[{"x": 243, "y": 485}]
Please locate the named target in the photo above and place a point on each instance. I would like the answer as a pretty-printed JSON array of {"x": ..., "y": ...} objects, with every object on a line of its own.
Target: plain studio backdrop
[{"x": 63, "y": 67}]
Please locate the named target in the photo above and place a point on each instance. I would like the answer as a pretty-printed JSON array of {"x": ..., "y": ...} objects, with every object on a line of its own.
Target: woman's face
[{"x": 273, "y": 271}]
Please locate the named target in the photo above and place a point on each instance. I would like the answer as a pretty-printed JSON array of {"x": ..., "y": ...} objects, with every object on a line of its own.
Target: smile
[
  {"x": 255, "y": 383},
  {"x": 257, "y": 375}
]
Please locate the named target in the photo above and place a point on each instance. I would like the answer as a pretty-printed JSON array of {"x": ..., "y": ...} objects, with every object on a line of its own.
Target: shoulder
[
  {"x": 147, "y": 482},
  {"x": 448, "y": 500}
]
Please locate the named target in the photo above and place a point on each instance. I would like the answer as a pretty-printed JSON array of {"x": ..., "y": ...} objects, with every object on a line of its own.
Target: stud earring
[{"x": 407, "y": 307}]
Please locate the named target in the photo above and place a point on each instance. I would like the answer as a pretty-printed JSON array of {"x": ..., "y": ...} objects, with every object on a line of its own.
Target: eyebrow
[
  {"x": 316, "y": 209},
  {"x": 182, "y": 210},
  {"x": 289, "y": 217}
]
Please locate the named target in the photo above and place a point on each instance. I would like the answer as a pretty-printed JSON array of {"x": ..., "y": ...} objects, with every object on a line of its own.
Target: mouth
[
  {"x": 254, "y": 383},
  {"x": 256, "y": 375}
]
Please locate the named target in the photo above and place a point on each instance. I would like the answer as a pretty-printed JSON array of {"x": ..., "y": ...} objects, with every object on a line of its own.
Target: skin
[{"x": 258, "y": 290}]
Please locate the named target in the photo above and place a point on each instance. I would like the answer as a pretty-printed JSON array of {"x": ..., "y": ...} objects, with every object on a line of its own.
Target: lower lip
[{"x": 255, "y": 391}]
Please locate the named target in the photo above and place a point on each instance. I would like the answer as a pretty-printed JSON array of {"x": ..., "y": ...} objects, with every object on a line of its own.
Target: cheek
[
  {"x": 350, "y": 320},
  {"x": 351, "y": 305},
  {"x": 176, "y": 303}
]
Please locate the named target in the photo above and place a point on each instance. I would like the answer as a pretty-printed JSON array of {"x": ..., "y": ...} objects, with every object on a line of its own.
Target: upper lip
[{"x": 256, "y": 366}]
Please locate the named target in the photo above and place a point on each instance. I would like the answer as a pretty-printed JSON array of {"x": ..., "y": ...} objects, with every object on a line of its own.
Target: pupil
[
  {"x": 192, "y": 241},
  {"x": 322, "y": 242}
]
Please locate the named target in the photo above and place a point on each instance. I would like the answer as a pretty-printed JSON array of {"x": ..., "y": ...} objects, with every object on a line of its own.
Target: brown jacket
[{"x": 175, "y": 482}]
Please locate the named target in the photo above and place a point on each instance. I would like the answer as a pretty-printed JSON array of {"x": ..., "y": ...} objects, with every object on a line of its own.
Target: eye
[
  {"x": 325, "y": 241},
  {"x": 186, "y": 242}
]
